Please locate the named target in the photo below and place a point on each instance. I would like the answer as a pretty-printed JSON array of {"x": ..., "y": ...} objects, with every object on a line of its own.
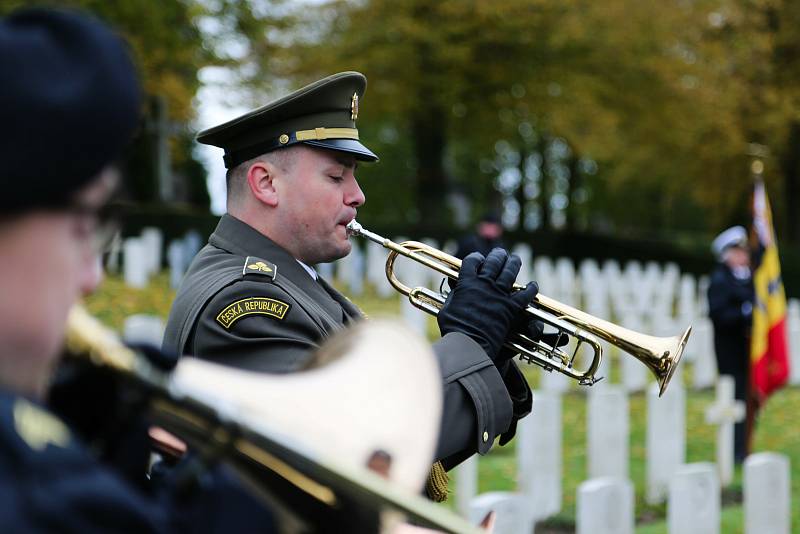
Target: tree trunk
[
  {"x": 428, "y": 129},
  {"x": 791, "y": 184},
  {"x": 520, "y": 195},
  {"x": 544, "y": 181},
  {"x": 575, "y": 182}
]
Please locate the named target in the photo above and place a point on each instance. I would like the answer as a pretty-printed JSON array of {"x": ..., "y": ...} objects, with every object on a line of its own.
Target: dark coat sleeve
[
  {"x": 477, "y": 405},
  {"x": 257, "y": 341},
  {"x": 725, "y": 302}
]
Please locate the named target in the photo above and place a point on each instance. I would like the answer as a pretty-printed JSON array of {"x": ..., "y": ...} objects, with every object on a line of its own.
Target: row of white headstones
[
  {"x": 138, "y": 258},
  {"x": 605, "y": 502},
  {"x": 651, "y": 299}
]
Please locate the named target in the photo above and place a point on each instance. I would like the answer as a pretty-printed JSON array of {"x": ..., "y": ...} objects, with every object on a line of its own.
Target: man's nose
[{"x": 355, "y": 195}]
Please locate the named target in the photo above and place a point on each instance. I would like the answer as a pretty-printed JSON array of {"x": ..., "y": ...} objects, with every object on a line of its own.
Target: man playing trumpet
[{"x": 252, "y": 299}]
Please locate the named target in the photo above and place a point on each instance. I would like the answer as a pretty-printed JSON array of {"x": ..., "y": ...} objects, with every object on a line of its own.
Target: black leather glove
[{"x": 482, "y": 304}]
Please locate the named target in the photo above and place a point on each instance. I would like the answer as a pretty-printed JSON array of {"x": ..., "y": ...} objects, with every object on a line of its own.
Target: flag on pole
[{"x": 769, "y": 349}]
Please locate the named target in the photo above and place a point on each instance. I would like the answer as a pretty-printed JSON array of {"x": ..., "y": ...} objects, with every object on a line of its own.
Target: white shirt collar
[{"x": 309, "y": 270}]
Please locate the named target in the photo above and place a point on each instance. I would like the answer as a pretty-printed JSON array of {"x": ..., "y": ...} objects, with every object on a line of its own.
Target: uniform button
[{"x": 485, "y": 437}]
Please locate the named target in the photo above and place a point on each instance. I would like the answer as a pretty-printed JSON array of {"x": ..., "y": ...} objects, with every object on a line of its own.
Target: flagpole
[{"x": 757, "y": 152}]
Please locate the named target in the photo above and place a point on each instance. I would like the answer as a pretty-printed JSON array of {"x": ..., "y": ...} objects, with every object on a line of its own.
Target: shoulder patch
[
  {"x": 38, "y": 428},
  {"x": 253, "y": 265},
  {"x": 252, "y": 306}
]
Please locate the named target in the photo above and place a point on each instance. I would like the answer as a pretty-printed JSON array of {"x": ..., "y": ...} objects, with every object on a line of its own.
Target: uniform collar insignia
[{"x": 253, "y": 265}]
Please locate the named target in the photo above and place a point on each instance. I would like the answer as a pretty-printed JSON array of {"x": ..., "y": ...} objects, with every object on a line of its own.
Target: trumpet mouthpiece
[{"x": 354, "y": 228}]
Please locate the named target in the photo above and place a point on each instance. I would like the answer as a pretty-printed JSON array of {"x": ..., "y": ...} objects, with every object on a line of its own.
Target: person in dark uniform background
[
  {"x": 71, "y": 102},
  {"x": 488, "y": 235},
  {"x": 252, "y": 299},
  {"x": 730, "y": 306}
]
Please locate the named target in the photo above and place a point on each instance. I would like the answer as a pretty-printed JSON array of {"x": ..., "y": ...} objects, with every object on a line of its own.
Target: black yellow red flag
[{"x": 769, "y": 348}]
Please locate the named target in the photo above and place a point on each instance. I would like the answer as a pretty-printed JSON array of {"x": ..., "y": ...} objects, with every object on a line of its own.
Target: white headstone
[
  {"x": 450, "y": 247},
  {"x": 134, "y": 269},
  {"x": 670, "y": 277},
  {"x": 566, "y": 282},
  {"x": 607, "y": 433},
  {"x": 413, "y": 274},
  {"x": 589, "y": 270},
  {"x": 544, "y": 274},
  {"x": 554, "y": 381},
  {"x": 355, "y": 271},
  {"x": 694, "y": 500},
  {"x": 432, "y": 279},
  {"x": 145, "y": 329},
  {"x": 326, "y": 271},
  {"x": 767, "y": 494},
  {"x": 525, "y": 275},
  {"x": 192, "y": 243},
  {"x": 687, "y": 298},
  {"x": 701, "y": 345},
  {"x": 114, "y": 253},
  {"x": 538, "y": 443},
  {"x": 466, "y": 484},
  {"x": 605, "y": 506},
  {"x": 513, "y": 517},
  {"x": 376, "y": 269},
  {"x": 611, "y": 271},
  {"x": 793, "y": 333},
  {"x": 666, "y": 438},
  {"x": 702, "y": 295},
  {"x": 153, "y": 240},
  {"x": 724, "y": 413},
  {"x": 177, "y": 263}
]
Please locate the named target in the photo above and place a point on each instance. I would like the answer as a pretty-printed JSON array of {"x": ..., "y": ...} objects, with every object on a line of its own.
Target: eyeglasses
[{"x": 102, "y": 223}]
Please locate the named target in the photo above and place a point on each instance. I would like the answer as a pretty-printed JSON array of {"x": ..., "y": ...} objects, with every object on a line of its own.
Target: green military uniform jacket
[{"x": 246, "y": 302}]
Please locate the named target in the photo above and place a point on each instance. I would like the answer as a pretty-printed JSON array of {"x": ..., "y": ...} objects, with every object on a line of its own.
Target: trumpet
[{"x": 660, "y": 354}]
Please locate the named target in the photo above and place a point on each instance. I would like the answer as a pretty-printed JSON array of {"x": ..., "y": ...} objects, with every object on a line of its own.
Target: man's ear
[{"x": 260, "y": 177}]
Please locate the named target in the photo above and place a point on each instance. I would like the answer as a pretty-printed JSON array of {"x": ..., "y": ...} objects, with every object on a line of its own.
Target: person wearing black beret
[
  {"x": 70, "y": 103},
  {"x": 252, "y": 298}
]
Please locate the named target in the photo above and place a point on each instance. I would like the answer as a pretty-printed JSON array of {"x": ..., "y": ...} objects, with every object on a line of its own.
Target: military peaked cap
[
  {"x": 735, "y": 236},
  {"x": 322, "y": 114},
  {"x": 70, "y": 102}
]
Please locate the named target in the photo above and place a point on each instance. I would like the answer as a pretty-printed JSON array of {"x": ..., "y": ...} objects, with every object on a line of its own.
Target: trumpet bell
[{"x": 668, "y": 362}]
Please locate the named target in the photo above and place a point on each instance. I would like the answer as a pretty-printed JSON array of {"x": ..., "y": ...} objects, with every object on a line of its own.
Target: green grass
[{"x": 776, "y": 430}]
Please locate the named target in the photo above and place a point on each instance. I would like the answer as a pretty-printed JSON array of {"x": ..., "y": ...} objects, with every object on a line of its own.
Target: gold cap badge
[{"x": 354, "y": 107}]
